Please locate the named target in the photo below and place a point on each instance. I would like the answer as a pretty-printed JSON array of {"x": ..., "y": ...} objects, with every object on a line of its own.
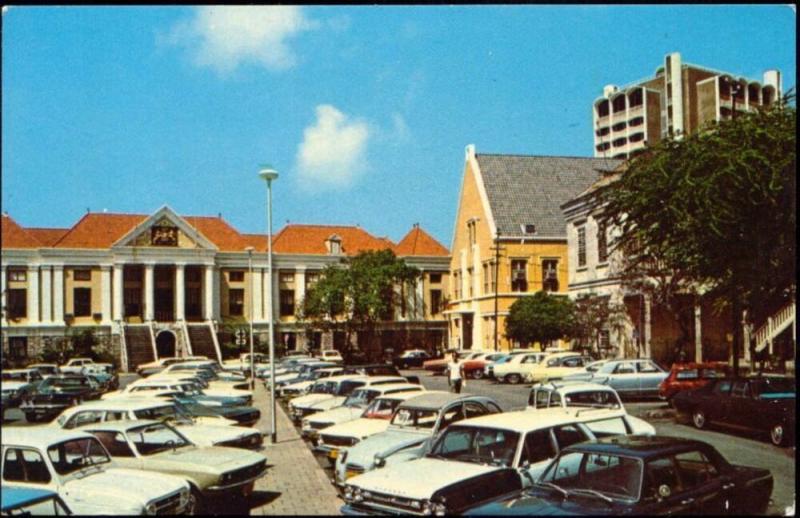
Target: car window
[
  {"x": 539, "y": 398},
  {"x": 688, "y": 374},
  {"x": 647, "y": 367},
  {"x": 530, "y": 358},
  {"x": 114, "y": 442},
  {"x": 694, "y": 469},
  {"x": 722, "y": 388},
  {"x": 555, "y": 399},
  {"x": 22, "y": 465},
  {"x": 450, "y": 416},
  {"x": 538, "y": 446},
  {"x": 741, "y": 389},
  {"x": 625, "y": 368},
  {"x": 661, "y": 479},
  {"x": 115, "y": 416},
  {"x": 493, "y": 409},
  {"x": 474, "y": 410},
  {"x": 568, "y": 434},
  {"x": 710, "y": 373},
  {"x": 573, "y": 362},
  {"x": 607, "y": 427},
  {"x": 85, "y": 417},
  {"x": 592, "y": 399}
]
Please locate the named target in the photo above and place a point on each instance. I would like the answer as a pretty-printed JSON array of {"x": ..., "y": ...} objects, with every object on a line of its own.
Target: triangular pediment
[{"x": 165, "y": 229}]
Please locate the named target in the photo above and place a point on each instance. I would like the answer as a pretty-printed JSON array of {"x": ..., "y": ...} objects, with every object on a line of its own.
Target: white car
[
  {"x": 374, "y": 419},
  {"x": 210, "y": 387},
  {"x": 514, "y": 369},
  {"x": 473, "y": 449},
  {"x": 573, "y": 394},
  {"x": 346, "y": 389},
  {"x": 334, "y": 386},
  {"x": 189, "y": 388},
  {"x": 331, "y": 356},
  {"x": 75, "y": 365},
  {"x": 152, "y": 408},
  {"x": 303, "y": 387},
  {"x": 146, "y": 369},
  {"x": 352, "y": 407},
  {"x": 75, "y": 465}
]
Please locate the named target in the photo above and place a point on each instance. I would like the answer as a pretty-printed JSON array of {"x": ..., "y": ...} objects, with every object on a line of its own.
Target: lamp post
[
  {"x": 250, "y": 318},
  {"x": 269, "y": 174}
]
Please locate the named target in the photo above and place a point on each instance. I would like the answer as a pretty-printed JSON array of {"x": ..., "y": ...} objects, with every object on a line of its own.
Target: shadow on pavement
[{"x": 240, "y": 505}]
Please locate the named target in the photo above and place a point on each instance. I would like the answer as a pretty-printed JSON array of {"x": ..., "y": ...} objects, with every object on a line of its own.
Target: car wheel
[
  {"x": 477, "y": 374},
  {"x": 777, "y": 434},
  {"x": 513, "y": 379},
  {"x": 699, "y": 419},
  {"x": 195, "y": 505}
]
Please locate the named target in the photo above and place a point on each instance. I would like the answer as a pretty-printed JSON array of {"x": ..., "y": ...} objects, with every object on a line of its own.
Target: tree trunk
[{"x": 736, "y": 310}]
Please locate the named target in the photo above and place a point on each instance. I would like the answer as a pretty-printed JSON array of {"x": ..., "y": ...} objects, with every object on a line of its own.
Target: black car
[
  {"x": 761, "y": 403},
  {"x": 56, "y": 393},
  {"x": 639, "y": 475},
  {"x": 412, "y": 358},
  {"x": 243, "y": 415}
]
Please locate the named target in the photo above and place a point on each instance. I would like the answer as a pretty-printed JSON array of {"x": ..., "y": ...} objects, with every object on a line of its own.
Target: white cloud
[
  {"x": 224, "y": 37},
  {"x": 333, "y": 151}
]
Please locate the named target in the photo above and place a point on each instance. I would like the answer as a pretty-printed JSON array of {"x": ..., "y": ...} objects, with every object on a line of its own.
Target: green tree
[
  {"x": 541, "y": 318},
  {"x": 716, "y": 209},
  {"x": 357, "y": 294}
]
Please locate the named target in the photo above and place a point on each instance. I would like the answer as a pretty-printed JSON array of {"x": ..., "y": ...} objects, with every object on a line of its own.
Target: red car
[
  {"x": 685, "y": 376},
  {"x": 473, "y": 367},
  {"x": 439, "y": 365}
]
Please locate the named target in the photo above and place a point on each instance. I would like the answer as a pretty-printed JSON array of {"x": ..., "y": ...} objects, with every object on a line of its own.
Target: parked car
[
  {"x": 760, "y": 403},
  {"x": 471, "y": 450},
  {"x": 57, "y": 393},
  {"x": 352, "y": 407},
  {"x": 304, "y": 374},
  {"x": 374, "y": 419},
  {"x": 150, "y": 408},
  {"x": 146, "y": 369},
  {"x": 339, "y": 398},
  {"x": 687, "y": 376},
  {"x": 439, "y": 365},
  {"x": 636, "y": 377},
  {"x": 516, "y": 367},
  {"x": 13, "y": 393},
  {"x": 488, "y": 369},
  {"x": 411, "y": 358},
  {"x": 413, "y": 426},
  {"x": 186, "y": 387},
  {"x": 242, "y": 364},
  {"x": 474, "y": 367},
  {"x": 331, "y": 356},
  {"x": 556, "y": 366},
  {"x": 639, "y": 476},
  {"x": 201, "y": 383},
  {"x": 26, "y": 501},
  {"x": 380, "y": 369},
  {"x": 211, "y": 471},
  {"x": 77, "y": 365},
  {"x": 573, "y": 394},
  {"x": 30, "y": 376},
  {"x": 303, "y": 387},
  {"x": 77, "y": 466},
  {"x": 332, "y": 387},
  {"x": 211, "y": 383},
  {"x": 45, "y": 369}
]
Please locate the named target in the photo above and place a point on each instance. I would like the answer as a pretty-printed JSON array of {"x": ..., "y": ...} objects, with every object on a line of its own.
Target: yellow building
[{"x": 512, "y": 201}]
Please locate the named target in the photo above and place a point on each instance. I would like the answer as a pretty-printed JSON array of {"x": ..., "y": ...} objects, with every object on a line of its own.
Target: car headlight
[
  {"x": 348, "y": 493},
  {"x": 358, "y": 496},
  {"x": 150, "y": 509},
  {"x": 435, "y": 507},
  {"x": 379, "y": 461}
]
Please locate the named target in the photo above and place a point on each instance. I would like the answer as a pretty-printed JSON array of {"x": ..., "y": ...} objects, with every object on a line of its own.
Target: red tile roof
[
  {"x": 310, "y": 239},
  {"x": 419, "y": 242},
  {"x": 14, "y": 236},
  {"x": 219, "y": 232},
  {"x": 47, "y": 236},
  {"x": 99, "y": 230}
]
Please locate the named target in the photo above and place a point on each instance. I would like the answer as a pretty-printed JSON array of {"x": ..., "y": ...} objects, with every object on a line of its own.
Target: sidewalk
[{"x": 302, "y": 487}]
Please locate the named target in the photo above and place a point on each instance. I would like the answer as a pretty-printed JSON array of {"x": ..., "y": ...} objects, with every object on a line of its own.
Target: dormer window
[
  {"x": 334, "y": 245},
  {"x": 528, "y": 228}
]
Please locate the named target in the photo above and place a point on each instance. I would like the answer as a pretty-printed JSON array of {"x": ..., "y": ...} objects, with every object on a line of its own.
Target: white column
[
  {"x": 105, "y": 293},
  {"x": 180, "y": 298},
  {"x": 299, "y": 284},
  {"x": 58, "y": 294},
  {"x": 647, "y": 327},
  {"x": 119, "y": 285},
  {"x": 208, "y": 293},
  {"x": 33, "y": 294},
  {"x": 419, "y": 299},
  {"x": 215, "y": 307},
  {"x": 257, "y": 284},
  {"x": 698, "y": 334},
  {"x": 3, "y": 293},
  {"x": 47, "y": 294},
  {"x": 148, "y": 292}
]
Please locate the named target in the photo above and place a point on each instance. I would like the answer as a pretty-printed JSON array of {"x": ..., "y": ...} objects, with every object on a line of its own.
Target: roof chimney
[{"x": 470, "y": 151}]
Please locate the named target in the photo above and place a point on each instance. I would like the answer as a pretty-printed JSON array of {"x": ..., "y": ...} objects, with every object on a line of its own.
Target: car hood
[
  {"x": 207, "y": 435},
  {"x": 340, "y": 414},
  {"x": 300, "y": 385},
  {"x": 391, "y": 440},
  {"x": 327, "y": 404},
  {"x": 233, "y": 411},
  {"x": 404, "y": 479},
  {"x": 219, "y": 458},
  {"x": 308, "y": 400},
  {"x": 358, "y": 428},
  {"x": 528, "y": 503},
  {"x": 125, "y": 486}
]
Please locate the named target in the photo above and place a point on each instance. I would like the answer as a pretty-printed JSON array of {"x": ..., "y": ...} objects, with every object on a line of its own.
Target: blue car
[{"x": 26, "y": 501}]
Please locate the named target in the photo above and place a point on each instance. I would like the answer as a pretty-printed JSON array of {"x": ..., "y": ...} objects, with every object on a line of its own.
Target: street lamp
[
  {"x": 269, "y": 174},
  {"x": 250, "y": 317}
]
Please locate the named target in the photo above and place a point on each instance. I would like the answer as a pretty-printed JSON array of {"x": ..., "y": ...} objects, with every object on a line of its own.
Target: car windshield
[
  {"x": 321, "y": 388},
  {"x": 415, "y": 417},
  {"x": 361, "y": 398},
  {"x": 381, "y": 408},
  {"x": 777, "y": 388},
  {"x": 168, "y": 412},
  {"x": 347, "y": 387},
  {"x": 477, "y": 445},
  {"x": 156, "y": 438},
  {"x": 74, "y": 455},
  {"x": 195, "y": 409},
  {"x": 586, "y": 473},
  {"x": 594, "y": 367}
]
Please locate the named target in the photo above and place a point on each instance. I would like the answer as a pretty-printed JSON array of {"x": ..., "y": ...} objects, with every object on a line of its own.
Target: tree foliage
[
  {"x": 594, "y": 314},
  {"x": 541, "y": 318},
  {"x": 713, "y": 212}
]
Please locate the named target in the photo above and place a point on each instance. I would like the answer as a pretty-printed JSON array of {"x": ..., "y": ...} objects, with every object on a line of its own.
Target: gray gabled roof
[{"x": 526, "y": 190}]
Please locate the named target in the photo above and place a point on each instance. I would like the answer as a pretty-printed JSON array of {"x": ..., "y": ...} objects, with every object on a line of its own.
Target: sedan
[{"x": 637, "y": 377}]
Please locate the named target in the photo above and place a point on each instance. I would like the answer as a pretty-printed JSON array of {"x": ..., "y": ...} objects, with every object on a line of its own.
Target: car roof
[
  {"x": 16, "y": 496},
  {"x": 35, "y": 365},
  {"x": 400, "y": 396},
  {"x": 526, "y": 420},
  {"x": 38, "y": 436},
  {"x": 119, "y": 426},
  {"x": 643, "y": 446},
  {"x": 566, "y": 387},
  {"x": 393, "y": 386},
  {"x": 563, "y": 354},
  {"x": 343, "y": 377},
  {"x": 123, "y": 403},
  {"x": 435, "y": 399},
  {"x": 18, "y": 371}
]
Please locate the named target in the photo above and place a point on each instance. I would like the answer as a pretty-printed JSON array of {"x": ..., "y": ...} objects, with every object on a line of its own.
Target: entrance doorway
[
  {"x": 165, "y": 344},
  {"x": 466, "y": 332}
]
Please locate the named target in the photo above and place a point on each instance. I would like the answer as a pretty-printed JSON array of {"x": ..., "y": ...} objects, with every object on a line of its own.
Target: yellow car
[{"x": 555, "y": 366}]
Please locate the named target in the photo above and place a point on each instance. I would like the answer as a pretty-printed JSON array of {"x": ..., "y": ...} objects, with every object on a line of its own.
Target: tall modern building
[{"x": 681, "y": 98}]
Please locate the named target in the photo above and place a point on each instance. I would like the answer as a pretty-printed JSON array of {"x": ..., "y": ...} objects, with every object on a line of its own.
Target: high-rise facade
[{"x": 681, "y": 98}]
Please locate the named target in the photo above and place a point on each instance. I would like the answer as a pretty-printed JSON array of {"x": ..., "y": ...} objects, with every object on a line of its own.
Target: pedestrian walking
[{"x": 455, "y": 374}]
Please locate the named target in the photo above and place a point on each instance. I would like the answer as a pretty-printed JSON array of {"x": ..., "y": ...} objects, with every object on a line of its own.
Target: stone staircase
[
  {"x": 775, "y": 325},
  {"x": 203, "y": 341},
  {"x": 138, "y": 345}
]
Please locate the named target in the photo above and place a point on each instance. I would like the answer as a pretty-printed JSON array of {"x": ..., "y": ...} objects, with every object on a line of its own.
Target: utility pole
[{"x": 495, "y": 275}]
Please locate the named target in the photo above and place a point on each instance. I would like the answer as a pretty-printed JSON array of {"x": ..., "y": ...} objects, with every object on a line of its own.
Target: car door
[
  {"x": 717, "y": 405},
  {"x": 703, "y": 482},
  {"x": 662, "y": 485},
  {"x": 649, "y": 377},
  {"x": 538, "y": 449},
  {"x": 746, "y": 414},
  {"x": 624, "y": 378}
]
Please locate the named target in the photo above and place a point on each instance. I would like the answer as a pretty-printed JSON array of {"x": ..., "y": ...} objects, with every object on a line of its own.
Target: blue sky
[{"x": 364, "y": 111}]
